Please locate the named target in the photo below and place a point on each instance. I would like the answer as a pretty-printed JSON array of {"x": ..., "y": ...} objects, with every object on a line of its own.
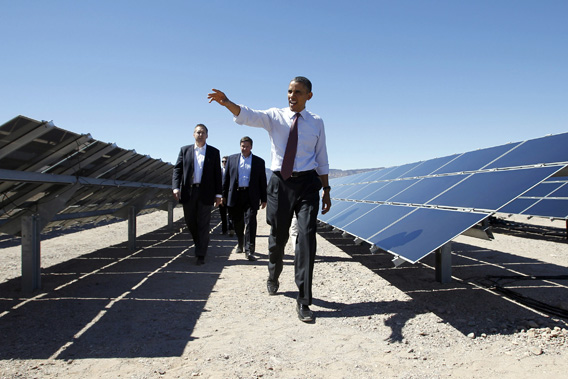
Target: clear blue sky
[{"x": 394, "y": 81}]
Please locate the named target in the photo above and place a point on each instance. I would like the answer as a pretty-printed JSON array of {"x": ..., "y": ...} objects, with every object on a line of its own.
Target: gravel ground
[{"x": 108, "y": 312}]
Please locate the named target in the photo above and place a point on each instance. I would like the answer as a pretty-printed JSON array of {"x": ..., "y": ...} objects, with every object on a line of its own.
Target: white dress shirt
[
  {"x": 312, "y": 151},
  {"x": 198, "y": 159},
  {"x": 244, "y": 170}
]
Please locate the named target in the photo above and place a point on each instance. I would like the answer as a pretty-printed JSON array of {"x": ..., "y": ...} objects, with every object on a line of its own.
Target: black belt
[
  {"x": 297, "y": 174},
  {"x": 242, "y": 188}
]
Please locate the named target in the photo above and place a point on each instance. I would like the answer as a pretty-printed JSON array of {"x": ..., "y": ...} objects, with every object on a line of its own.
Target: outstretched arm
[{"x": 222, "y": 99}]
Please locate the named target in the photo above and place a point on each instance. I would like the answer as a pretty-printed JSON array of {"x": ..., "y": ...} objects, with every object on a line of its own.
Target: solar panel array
[
  {"x": 548, "y": 199},
  {"x": 414, "y": 209},
  {"x": 74, "y": 178}
]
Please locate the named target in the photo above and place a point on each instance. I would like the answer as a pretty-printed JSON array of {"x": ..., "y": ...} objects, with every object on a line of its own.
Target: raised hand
[
  {"x": 218, "y": 96},
  {"x": 221, "y": 98}
]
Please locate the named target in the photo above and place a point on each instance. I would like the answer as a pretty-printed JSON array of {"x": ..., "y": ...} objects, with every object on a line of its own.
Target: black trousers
[
  {"x": 300, "y": 196},
  {"x": 198, "y": 219},
  {"x": 244, "y": 220},
  {"x": 226, "y": 222}
]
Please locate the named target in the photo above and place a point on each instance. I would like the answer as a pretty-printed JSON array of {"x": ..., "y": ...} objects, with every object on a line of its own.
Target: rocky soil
[{"x": 107, "y": 312}]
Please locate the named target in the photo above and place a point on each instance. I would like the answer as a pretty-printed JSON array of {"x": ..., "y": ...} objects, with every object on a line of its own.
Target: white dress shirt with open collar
[{"x": 312, "y": 151}]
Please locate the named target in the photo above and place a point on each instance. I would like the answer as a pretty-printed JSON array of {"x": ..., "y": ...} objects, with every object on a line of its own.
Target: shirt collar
[
  {"x": 201, "y": 149},
  {"x": 291, "y": 113}
]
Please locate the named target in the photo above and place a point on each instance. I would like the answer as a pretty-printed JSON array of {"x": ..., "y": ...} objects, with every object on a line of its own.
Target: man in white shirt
[
  {"x": 295, "y": 192},
  {"x": 196, "y": 184},
  {"x": 244, "y": 191}
]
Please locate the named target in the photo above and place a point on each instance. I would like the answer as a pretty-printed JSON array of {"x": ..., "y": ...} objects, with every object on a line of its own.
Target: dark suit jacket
[
  {"x": 210, "y": 185},
  {"x": 257, "y": 183}
]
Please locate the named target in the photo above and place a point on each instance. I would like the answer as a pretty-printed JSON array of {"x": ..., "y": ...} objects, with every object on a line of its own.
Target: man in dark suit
[
  {"x": 226, "y": 222},
  {"x": 196, "y": 184},
  {"x": 244, "y": 190}
]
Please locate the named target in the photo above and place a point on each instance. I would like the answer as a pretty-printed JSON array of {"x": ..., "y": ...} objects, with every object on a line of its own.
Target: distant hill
[{"x": 335, "y": 173}]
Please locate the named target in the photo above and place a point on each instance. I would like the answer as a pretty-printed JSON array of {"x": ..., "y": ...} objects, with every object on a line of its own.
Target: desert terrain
[{"x": 107, "y": 312}]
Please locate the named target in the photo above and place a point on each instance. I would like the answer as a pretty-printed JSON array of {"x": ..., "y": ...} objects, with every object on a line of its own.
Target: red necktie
[{"x": 291, "y": 147}]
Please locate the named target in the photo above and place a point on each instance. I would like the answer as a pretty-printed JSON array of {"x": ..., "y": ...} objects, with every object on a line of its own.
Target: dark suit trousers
[
  {"x": 198, "y": 218},
  {"x": 300, "y": 196},
  {"x": 226, "y": 223},
  {"x": 244, "y": 220}
]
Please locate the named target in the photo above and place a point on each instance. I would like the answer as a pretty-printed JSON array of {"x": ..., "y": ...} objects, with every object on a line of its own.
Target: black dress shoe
[
  {"x": 200, "y": 261},
  {"x": 251, "y": 257},
  {"x": 304, "y": 312},
  {"x": 272, "y": 287}
]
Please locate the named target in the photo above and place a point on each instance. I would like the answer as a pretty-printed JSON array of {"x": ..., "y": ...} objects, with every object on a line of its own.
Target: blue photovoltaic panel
[
  {"x": 389, "y": 190},
  {"x": 556, "y": 208},
  {"x": 367, "y": 189},
  {"x": 413, "y": 209},
  {"x": 475, "y": 160},
  {"x": 517, "y": 206},
  {"x": 351, "y": 214},
  {"x": 338, "y": 207},
  {"x": 548, "y": 199},
  {"x": 492, "y": 190},
  {"x": 561, "y": 191},
  {"x": 356, "y": 190},
  {"x": 343, "y": 192},
  {"x": 428, "y": 167},
  {"x": 366, "y": 177},
  {"x": 426, "y": 189},
  {"x": 424, "y": 230},
  {"x": 543, "y": 189},
  {"x": 550, "y": 149},
  {"x": 399, "y": 171},
  {"x": 378, "y": 219},
  {"x": 380, "y": 174}
]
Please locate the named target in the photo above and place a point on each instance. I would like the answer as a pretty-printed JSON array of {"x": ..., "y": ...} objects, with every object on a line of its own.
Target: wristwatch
[{"x": 327, "y": 188}]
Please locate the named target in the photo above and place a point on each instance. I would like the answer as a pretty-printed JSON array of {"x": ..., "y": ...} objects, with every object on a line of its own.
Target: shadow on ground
[
  {"x": 468, "y": 303},
  {"x": 114, "y": 303}
]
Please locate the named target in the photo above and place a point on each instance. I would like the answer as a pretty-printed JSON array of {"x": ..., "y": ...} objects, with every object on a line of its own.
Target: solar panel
[
  {"x": 380, "y": 218},
  {"x": 414, "y": 209},
  {"x": 549, "y": 149},
  {"x": 423, "y": 231},
  {"x": 492, "y": 190},
  {"x": 39, "y": 161},
  {"x": 555, "y": 208},
  {"x": 548, "y": 199},
  {"x": 54, "y": 178}
]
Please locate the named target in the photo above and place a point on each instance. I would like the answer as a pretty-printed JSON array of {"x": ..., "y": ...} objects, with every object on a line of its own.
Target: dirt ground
[{"x": 107, "y": 312}]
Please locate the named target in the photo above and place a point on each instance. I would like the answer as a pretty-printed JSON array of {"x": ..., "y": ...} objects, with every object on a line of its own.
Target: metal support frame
[
  {"x": 31, "y": 253},
  {"x": 171, "y": 207},
  {"x": 444, "y": 263},
  {"x": 132, "y": 228}
]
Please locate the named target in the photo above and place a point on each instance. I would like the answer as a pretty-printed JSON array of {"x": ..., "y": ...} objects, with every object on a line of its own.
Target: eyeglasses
[{"x": 224, "y": 161}]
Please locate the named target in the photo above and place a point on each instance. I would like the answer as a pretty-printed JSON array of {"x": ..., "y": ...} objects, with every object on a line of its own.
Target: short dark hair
[
  {"x": 225, "y": 157},
  {"x": 203, "y": 126},
  {"x": 305, "y": 81},
  {"x": 246, "y": 139}
]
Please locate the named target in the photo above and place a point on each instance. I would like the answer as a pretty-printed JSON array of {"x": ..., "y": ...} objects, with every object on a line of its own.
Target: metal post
[
  {"x": 171, "y": 206},
  {"x": 31, "y": 253},
  {"x": 444, "y": 263},
  {"x": 132, "y": 228}
]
